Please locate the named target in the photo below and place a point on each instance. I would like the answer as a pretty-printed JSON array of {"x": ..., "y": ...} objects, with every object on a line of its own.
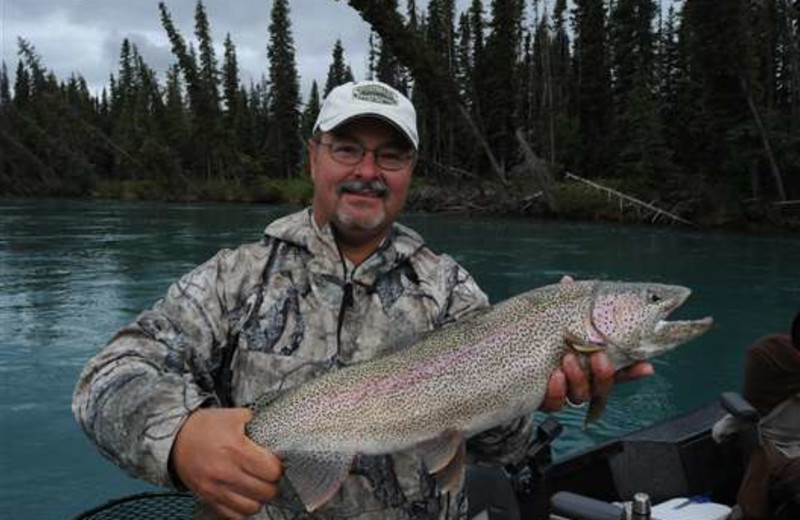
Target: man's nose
[{"x": 368, "y": 166}]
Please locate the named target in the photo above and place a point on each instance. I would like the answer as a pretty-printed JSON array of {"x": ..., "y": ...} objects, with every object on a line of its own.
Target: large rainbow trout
[{"x": 460, "y": 380}]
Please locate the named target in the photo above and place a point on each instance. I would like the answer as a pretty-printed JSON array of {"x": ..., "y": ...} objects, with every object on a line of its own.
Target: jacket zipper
[{"x": 347, "y": 301}]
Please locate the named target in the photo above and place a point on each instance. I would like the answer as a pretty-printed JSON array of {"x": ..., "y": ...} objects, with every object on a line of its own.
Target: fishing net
[{"x": 146, "y": 506}]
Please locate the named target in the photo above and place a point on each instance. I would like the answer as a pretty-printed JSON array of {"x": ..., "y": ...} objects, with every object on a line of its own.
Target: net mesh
[{"x": 147, "y": 506}]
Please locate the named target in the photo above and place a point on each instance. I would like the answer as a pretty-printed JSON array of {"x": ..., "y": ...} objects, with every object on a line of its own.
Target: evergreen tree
[
  {"x": 464, "y": 60},
  {"x": 387, "y": 67},
  {"x": 284, "y": 142},
  {"x": 5, "y": 89},
  {"x": 22, "y": 86},
  {"x": 39, "y": 82},
  {"x": 311, "y": 111},
  {"x": 479, "y": 74},
  {"x": 717, "y": 135},
  {"x": 177, "y": 125},
  {"x": 639, "y": 145},
  {"x": 338, "y": 71},
  {"x": 411, "y": 10},
  {"x": 594, "y": 83},
  {"x": 565, "y": 137},
  {"x": 498, "y": 103},
  {"x": 668, "y": 72},
  {"x": 207, "y": 157},
  {"x": 208, "y": 74},
  {"x": 230, "y": 85}
]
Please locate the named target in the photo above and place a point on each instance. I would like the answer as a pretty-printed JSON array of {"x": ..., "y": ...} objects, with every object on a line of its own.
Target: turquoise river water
[{"x": 73, "y": 272}]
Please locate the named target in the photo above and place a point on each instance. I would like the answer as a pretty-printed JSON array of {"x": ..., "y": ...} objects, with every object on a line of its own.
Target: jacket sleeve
[{"x": 135, "y": 394}]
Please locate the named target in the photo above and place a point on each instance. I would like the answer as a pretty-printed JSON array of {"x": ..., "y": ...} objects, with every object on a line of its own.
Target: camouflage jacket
[{"x": 293, "y": 308}]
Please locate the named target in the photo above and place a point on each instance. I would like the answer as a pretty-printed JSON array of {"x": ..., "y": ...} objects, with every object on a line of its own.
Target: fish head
[{"x": 629, "y": 320}]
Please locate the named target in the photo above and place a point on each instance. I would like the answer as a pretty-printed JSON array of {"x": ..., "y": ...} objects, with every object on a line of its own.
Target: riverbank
[{"x": 702, "y": 207}]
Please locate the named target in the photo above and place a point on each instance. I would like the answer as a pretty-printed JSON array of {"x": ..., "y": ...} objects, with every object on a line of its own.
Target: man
[
  {"x": 333, "y": 285},
  {"x": 772, "y": 386}
]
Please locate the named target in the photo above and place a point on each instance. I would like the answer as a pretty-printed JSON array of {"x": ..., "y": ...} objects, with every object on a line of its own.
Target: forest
[{"x": 623, "y": 109}]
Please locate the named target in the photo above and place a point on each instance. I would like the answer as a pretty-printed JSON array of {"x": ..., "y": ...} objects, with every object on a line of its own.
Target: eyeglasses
[{"x": 387, "y": 157}]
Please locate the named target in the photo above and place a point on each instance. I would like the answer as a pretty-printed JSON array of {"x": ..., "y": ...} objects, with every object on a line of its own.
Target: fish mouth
[
  {"x": 679, "y": 330},
  {"x": 664, "y": 328}
]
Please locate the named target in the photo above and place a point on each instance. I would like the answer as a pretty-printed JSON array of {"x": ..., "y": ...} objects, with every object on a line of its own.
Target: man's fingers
[
  {"x": 636, "y": 371},
  {"x": 253, "y": 487},
  {"x": 556, "y": 392},
  {"x": 602, "y": 374},
  {"x": 577, "y": 380},
  {"x": 228, "y": 513},
  {"x": 239, "y": 504},
  {"x": 261, "y": 463}
]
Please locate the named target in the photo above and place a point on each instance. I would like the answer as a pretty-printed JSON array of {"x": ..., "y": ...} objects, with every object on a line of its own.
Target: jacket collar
[{"x": 301, "y": 230}]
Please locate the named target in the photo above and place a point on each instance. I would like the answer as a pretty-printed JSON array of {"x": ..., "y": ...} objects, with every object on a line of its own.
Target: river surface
[{"x": 73, "y": 272}]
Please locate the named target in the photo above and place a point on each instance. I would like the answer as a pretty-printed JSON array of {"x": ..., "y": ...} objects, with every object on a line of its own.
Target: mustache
[{"x": 377, "y": 187}]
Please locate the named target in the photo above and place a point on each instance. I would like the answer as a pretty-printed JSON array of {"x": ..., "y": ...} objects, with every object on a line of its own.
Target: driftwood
[
  {"x": 657, "y": 212},
  {"x": 542, "y": 172},
  {"x": 449, "y": 169}
]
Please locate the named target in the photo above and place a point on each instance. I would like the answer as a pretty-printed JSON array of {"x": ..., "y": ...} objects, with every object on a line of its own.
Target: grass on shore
[{"x": 269, "y": 191}]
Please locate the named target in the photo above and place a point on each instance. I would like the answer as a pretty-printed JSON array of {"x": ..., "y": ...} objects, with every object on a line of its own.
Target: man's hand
[
  {"x": 570, "y": 381},
  {"x": 227, "y": 471}
]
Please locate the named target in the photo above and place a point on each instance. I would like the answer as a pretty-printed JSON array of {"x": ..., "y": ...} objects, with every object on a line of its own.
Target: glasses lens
[
  {"x": 347, "y": 152},
  {"x": 352, "y": 153},
  {"x": 392, "y": 158}
]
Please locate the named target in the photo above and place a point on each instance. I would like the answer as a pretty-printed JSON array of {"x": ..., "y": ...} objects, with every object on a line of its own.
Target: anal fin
[
  {"x": 316, "y": 476},
  {"x": 451, "y": 477},
  {"x": 438, "y": 452}
]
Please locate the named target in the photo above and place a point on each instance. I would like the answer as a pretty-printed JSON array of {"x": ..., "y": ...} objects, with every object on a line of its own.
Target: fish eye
[{"x": 653, "y": 297}]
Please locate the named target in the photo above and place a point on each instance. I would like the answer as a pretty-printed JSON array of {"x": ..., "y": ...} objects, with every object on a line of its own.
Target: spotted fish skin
[{"x": 460, "y": 380}]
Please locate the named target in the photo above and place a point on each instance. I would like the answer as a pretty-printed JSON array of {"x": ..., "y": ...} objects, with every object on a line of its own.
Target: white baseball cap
[{"x": 368, "y": 98}]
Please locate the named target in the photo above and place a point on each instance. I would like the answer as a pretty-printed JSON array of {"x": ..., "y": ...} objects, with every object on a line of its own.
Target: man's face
[{"x": 359, "y": 212}]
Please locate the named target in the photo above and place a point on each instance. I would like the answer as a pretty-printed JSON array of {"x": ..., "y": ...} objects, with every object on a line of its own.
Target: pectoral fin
[
  {"x": 594, "y": 344},
  {"x": 316, "y": 476},
  {"x": 438, "y": 452},
  {"x": 596, "y": 407}
]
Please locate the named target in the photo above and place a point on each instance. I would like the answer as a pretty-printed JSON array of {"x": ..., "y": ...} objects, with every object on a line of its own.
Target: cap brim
[{"x": 329, "y": 126}]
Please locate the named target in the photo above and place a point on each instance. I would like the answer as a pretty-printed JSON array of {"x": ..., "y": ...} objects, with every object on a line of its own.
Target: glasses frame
[{"x": 411, "y": 155}]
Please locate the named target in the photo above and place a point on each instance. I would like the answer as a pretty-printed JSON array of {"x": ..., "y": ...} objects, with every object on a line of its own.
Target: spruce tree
[
  {"x": 411, "y": 11},
  {"x": 311, "y": 111},
  {"x": 22, "y": 86},
  {"x": 499, "y": 100},
  {"x": 338, "y": 71},
  {"x": 177, "y": 125},
  {"x": 230, "y": 85},
  {"x": 719, "y": 140},
  {"x": 208, "y": 73},
  {"x": 284, "y": 140},
  {"x": 594, "y": 84},
  {"x": 5, "y": 89},
  {"x": 387, "y": 68},
  {"x": 638, "y": 137}
]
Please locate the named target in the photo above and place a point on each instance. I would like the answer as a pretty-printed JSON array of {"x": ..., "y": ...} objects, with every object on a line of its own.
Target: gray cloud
[{"x": 84, "y": 36}]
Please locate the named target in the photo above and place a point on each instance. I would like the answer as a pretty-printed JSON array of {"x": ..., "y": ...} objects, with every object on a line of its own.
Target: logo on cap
[{"x": 375, "y": 94}]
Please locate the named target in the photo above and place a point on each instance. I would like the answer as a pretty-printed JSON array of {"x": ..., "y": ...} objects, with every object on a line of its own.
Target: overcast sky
[{"x": 84, "y": 36}]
